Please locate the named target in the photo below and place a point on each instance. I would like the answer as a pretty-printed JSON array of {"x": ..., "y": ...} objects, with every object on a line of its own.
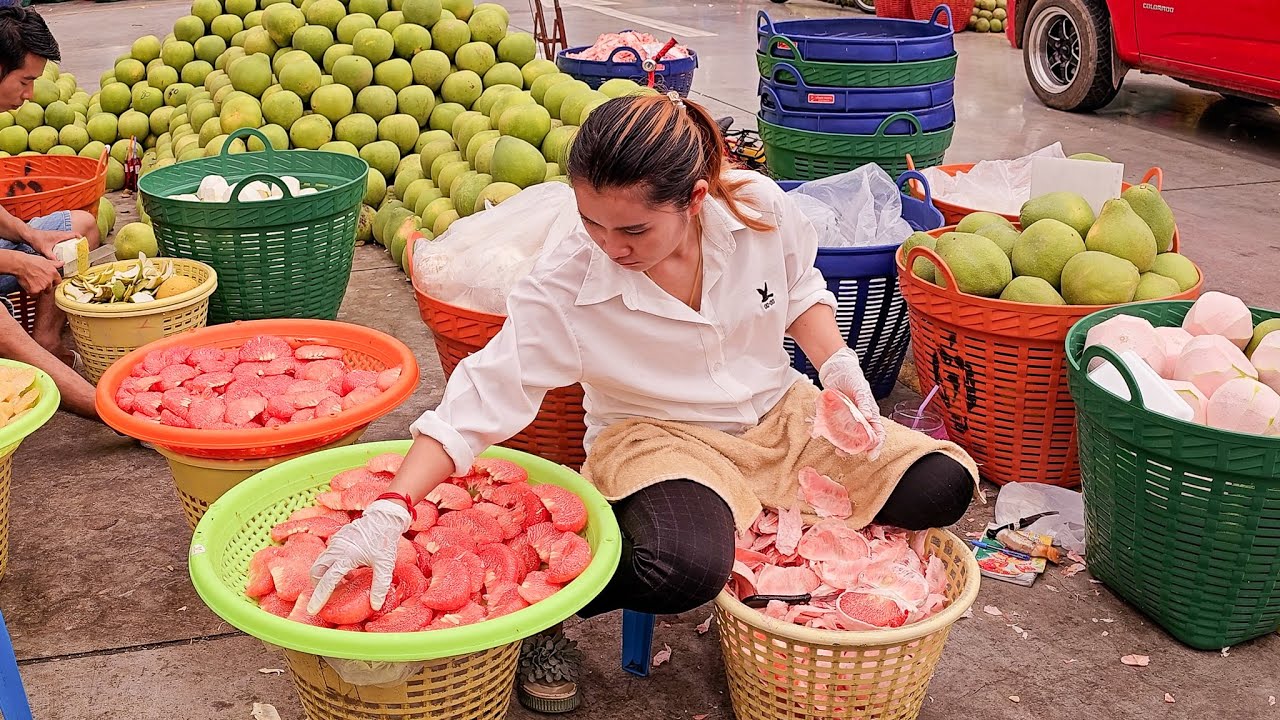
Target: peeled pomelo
[
  {"x": 1266, "y": 360},
  {"x": 1217, "y": 313},
  {"x": 1192, "y": 396},
  {"x": 1126, "y": 332},
  {"x": 1244, "y": 405},
  {"x": 1174, "y": 339},
  {"x": 1209, "y": 361}
]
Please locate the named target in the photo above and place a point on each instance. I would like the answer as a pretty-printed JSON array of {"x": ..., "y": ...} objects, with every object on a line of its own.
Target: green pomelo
[
  {"x": 176, "y": 94},
  {"x": 375, "y": 44},
  {"x": 394, "y": 73},
  {"x": 115, "y": 179},
  {"x": 1068, "y": 207},
  {"x": 973, "y": 222},
  {"x": 210, "y": 47},
  {"x": 211, "y": 129},
  {"x": 188, "y": 28},
  {"x": 333, "y": 101},
  {"x": 115, "y": 98},
  {"x": 400, "y": 239},
  {"x": 357, "y": 128},
  {"x": 1261, "y": 331},
  {"x": 517, "y": 162},
  {"x": 146, "y": 48},
  {"x": 555, "y": 147},
  {"x": 462, "y": 87},
  {"x": 443, "y": 221},
  {"x": 460, "y": 9},
  {"x": 448, "y": 36},
  {"x": 467, "y": 125},
  {"x": 443, "y": 115},
  {"x": 504, "y": 74},
  {"x": 281, "y": 21},
  {"x": 1043, "y": 249},
  {"x": 555, "y": 95},
  {"x": 282, "y": 108},
  {"x": 922, "y": 268},
  {"x": 326, "y": 13},
  {"x": 42, "y": 139},
  {"x": 466, "y": 190},
  {"x": 226, "y": 26},
  {"x": 364, "y": 225},
  {"x": 1179, "y": 268},
  {"x": 240, "y": 112},
  {"x": 251, "y": 75},
  {"x": 241, "y": 8},
  {"x": 376, "y": 101},
  {"x": 58, "y": 114},
  {"x": 334, "y": 54},
  {"x": 1123, "y": 233},
  {"x": 130, "y": 71},
  {"x": 353, "y": 71},
  {"x": 426, "y": 197},
  {"x": 536, "y": 68},
  {"x": 352, "y": 24},
  {"x": 421, "y": 12},
  {"x": 375, "y": 187},
  {"x": 1098, "y": 278},
  {"x": 490, "y": 96},
  {"x": 430, "y": 136},
  {"x": 390, "y": 20},
  {"x": 1094, "y": 157},
  {"x": 301, "y": 77},
  {"x": 619, "y": 87},
  {"x": 434, "y": 209},
  {"x": 508, "y": 101},
  {"x": 518, "y": 48},
  {"x": 530, "y": 123},
  {"x": 1033, "y": 290},
  {"x": 478, "y": 57},
  {"x": 415, "y": 188},
  {"x": 1003, "y": 235},
  {"x": 571, "y": 112},
  {"x": 438, "y": 165},
  {"x": 406, "y": 176},
  {"x": 135, "y": 239},
  {"x": 399, "y": 129},
  {"x": 430, "y": 68},
  {"x": 276, "y": 135},
  {"x": 382, "y": 155},
  {"x": 341, "y": 146},
  {"x": 1145, "y": 200},
  {"x": 177, "y": 54},
  {"x": 372, "y": 8},
  {"x": 494, "y": 194},
  {"x": 478, "y": 141},
  {"x": 411, "y": 39},
  {"x": 1155, "y": 287},
  {"x": 94, "y": 149},
  {"x": 416, "y": 101},
  {"x": 311, "y": 132},
  {"x": 488, "y": 27},
  {"x": 544, "y": 82},
  {"x": 159, "y": 122},
  {"x": 495, "y": 7},
  {"x": 979, "y": 265},
  {"x": 429, "y": 152},
  {"x": 133, "y": 124},
  {"x": 313, "y": 40}
]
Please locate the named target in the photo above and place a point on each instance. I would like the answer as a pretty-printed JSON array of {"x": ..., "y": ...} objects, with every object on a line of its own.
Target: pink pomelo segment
[
  {"x": 568, "y": 514},
  {"x": 837, "y": 420},
  {"x": 790, "y": 530},
  {"x": 828, "y": 498}
]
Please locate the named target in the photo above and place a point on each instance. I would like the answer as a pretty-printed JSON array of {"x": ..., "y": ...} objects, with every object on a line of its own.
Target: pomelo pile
[
  {"x": 839, "y": 578},
  {"x": 481, "y": 546},
  {"x": 18, "y": 392},
  {"x": 1064, "y": 255},
  {"x": 1224, "y": 368},
  {"x": 989, "y": 16},
  {"x": 266, "y": 382}
]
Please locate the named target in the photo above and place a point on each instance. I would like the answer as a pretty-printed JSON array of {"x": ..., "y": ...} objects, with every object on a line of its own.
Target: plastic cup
[{"x": 908, "y": 414}]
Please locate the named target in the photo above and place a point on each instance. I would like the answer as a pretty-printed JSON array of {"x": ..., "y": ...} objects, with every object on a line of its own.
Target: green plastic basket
[
  {"x": 239, "y": 523},
  {"x": 857, "y": 75},
  {"x": 807, "y": 155},
  {"x": 1183, "y": 520},
  {"x": 11, "y": 436},
  {"x": 282, "y": 258}
]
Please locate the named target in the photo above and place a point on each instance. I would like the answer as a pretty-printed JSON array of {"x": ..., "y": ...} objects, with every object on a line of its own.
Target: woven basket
[
  {"x": 782, "y": 671},
  {"x": 1183, "y": 519},
  {"x": 807, "y": 155},
  {"x": 11, "y": 436},
  {"x": 24, "y": 310},
  {"x": 849, "y": 75},
  {"x": 284, "y": 258},
  {"x": 105, "y": 333},
  {"x": 33, "y": 186},
  {"x": 1002, "y": 372}
]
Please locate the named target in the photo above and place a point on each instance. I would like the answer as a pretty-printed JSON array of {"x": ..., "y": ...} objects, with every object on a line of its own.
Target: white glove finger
[
  {"x": 324, "y": 588},
  {"x": 382, "y": 571},
  {"x": 322, "y": 564}
]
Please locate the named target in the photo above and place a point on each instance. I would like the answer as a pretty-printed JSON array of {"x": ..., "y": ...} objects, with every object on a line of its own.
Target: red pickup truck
[{"x": 1077, "y": 52}]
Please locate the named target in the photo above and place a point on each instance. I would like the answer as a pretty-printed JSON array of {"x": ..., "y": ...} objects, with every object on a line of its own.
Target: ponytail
[{"x": 662, "y": 144}]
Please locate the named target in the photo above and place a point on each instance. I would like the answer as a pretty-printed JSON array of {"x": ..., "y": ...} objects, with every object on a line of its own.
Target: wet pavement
[{"x": 105, "y": 621}]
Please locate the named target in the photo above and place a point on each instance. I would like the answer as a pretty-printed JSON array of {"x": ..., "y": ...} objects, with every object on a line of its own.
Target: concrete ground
[{"x": 105, "y": 622}]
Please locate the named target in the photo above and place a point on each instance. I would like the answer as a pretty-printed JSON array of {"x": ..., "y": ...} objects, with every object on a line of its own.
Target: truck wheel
[{"x": 1067, "y": 54}]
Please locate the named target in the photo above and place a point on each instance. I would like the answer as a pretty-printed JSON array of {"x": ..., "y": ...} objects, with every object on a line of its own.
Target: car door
[{"x": 1231, "y": 37}]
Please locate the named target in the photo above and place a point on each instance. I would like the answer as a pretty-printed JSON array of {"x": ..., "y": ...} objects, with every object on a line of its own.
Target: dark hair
[
  {"x": 658, "y": 143},
  {"x": 23, "y": 32}
]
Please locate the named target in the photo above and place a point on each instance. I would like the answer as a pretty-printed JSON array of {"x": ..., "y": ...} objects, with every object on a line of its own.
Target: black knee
[
  {"x": 934, "y": 492},
  {"x": 681, "y": 576}
]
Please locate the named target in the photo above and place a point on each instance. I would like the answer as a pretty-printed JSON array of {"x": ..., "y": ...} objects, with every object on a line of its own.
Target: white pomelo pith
[
  {"x": 1191, "y": 395},
  {"x": 1209, "y": 361},
  {"x": 1244, "y": 405},
  {"x": 1126, "y": 332},
  {"x": 1266, "y": 360},
  {"x": 1174, "y": 340},
  {"x": 1217, "y": 313}
]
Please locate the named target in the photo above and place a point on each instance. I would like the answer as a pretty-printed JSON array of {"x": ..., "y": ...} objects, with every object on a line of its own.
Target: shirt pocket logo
[{"x": 767, "y": 299}]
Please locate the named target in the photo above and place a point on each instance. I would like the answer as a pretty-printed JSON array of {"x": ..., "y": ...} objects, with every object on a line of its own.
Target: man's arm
[{"x": 43, "y": 241}]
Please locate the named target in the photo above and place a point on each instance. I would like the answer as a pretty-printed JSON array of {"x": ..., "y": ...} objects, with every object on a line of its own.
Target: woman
[{"x": 669, "y": 305}]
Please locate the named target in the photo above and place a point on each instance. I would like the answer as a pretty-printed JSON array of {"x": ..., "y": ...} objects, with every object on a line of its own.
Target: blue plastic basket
[
  {"x": 853, "y": 123},
  {"x": 872, "y": 314},
  {"x": 675, "y": 74},
  {"x": 794, "y": 94},
  {"x": 857, "y": 39}
]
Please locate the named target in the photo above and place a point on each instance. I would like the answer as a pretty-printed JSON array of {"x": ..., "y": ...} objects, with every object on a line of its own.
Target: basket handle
[
  {"x": 103, "y": 161},
  {"x": 916, "y": 176},
  {"x": 626, "y": 48},
  {"x": 938, "y": 11},
  {"x": 1156, "y": 174},
  {"x": 775, "y": 103},
  {"x": 768, "y": 23},
  {"x": 1109, "y": 356},
  {"x": 242, "y": 132},
  {"x": 265, "y": 177},
  {"x": 899, "y": 116},
  {"x": 920, "y": 251},
  {"x": 794, "y": 73},
  {"x": 782, "y": 41}
]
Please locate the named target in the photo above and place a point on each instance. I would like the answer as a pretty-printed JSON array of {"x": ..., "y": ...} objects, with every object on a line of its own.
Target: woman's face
[{"x": 633, "y": 233}]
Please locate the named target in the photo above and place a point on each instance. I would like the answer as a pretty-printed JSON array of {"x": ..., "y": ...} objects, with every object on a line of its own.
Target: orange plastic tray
[
  {"x": 1002, "y": 368},
  {"x": 365, "y": 349}
]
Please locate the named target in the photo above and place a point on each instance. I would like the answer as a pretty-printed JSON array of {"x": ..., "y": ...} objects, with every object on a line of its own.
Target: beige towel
[{"x": 761, "y": 467}]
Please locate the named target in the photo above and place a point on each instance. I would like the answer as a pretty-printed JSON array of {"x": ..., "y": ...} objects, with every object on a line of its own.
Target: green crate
[
  {"x": 857, "y": 75},
  {"x": 1183, "y": 520},
  {"x": 807, "y": 155},
  {"x": 282, "y": 258}
]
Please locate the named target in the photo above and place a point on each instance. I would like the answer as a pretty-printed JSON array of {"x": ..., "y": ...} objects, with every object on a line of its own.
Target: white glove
[
  {"x": 843, "y": 373},
  {"x": 370, "y": 540}
]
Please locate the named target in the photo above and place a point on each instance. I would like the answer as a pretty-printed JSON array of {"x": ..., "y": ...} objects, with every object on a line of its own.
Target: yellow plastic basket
[
  {"x": 107, "y": 332},
  {"x": 199, "y": 481},
  {"x": 782, "y": 671},
  {"x": 11, "y": 436}
]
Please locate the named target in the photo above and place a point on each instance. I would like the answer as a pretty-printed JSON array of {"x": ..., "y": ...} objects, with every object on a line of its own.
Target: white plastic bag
[
  {"x": 860, "y": 208},
  {"x": 477, "y": 261},
  {"x": 999, "y": 186},
  {"x": 1024, "y": 499},
  {"x": 364, "y": 673}
]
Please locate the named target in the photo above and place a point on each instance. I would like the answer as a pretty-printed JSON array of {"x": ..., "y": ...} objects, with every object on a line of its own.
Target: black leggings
[{"x": 678, "y": 535}]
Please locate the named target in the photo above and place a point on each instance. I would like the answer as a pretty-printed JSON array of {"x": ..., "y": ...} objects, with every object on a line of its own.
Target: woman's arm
[{"x": 817, "y": 333}]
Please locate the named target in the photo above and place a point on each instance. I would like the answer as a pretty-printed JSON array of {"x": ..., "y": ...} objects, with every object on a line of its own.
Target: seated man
[{"x": 26, "y": 248}]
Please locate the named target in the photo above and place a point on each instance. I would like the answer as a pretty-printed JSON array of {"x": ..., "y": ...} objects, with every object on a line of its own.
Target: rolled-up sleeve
[
  {"x": 497, "y": 391},
  {"x": 805, "y": 285}
]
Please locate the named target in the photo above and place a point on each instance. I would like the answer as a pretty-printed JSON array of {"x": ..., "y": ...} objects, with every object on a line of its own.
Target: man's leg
[
  {"x": 15, "y": 344},
  {"x": 85, "y": 224}
]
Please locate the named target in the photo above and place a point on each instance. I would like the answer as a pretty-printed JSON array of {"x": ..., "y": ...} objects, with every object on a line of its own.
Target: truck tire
[{"x": 1066, "y": 53}]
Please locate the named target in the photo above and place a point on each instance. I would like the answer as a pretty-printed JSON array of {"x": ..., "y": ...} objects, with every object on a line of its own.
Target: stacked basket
[{"x": 836, "y": 94}]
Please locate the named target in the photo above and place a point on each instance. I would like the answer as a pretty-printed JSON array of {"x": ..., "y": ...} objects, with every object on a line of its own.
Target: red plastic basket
[
  {"x": 895, "y": 9},
  {"x": 1002, "y": 369},
  {"x": 960, "y": 10},
  {"x": 32, "y": 186},
  {"x": 557, "y": 432},
  {"x": 365, "y": 349}
]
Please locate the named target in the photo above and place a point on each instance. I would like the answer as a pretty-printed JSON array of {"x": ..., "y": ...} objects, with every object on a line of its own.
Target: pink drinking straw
[{"x": 924, "y": 404}]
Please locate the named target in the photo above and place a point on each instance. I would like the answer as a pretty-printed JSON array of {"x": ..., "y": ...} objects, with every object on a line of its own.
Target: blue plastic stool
[
  {"x": 637, "y": 642},
  {"x": 13, "y": 697}
]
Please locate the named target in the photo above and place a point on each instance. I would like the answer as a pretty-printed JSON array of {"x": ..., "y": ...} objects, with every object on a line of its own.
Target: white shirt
[{"x": 637, "y": 351}]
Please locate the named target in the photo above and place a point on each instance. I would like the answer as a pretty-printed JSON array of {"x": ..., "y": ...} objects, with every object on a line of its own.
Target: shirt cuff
[{"x": 430, "y": 425}]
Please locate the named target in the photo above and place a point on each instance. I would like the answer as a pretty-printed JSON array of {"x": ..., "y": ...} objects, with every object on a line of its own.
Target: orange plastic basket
[
  {"x": 895, "y": 9},
  {"x": 365, "y": 349},
  {"x": 1002, "y": 369},
  {"x": 557, "y": 432},
  {"x": 952, "y": 214},
  {"x": 32, "y": 186}
]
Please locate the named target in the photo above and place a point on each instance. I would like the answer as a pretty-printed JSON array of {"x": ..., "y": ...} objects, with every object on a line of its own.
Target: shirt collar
[{"x": 605, "y": 280}]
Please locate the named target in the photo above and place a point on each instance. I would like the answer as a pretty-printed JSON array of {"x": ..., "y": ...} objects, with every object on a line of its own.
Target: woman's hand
[
  {"x": 842, "y": 372},
  {"x": 35, "y": 274},
  {"x": 369, "y": 540}
]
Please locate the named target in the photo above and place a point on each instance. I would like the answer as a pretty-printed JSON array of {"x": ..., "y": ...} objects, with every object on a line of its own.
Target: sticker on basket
[
  {"x": 197, "y": 549},
  {"x": 821, "y": 99}
]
